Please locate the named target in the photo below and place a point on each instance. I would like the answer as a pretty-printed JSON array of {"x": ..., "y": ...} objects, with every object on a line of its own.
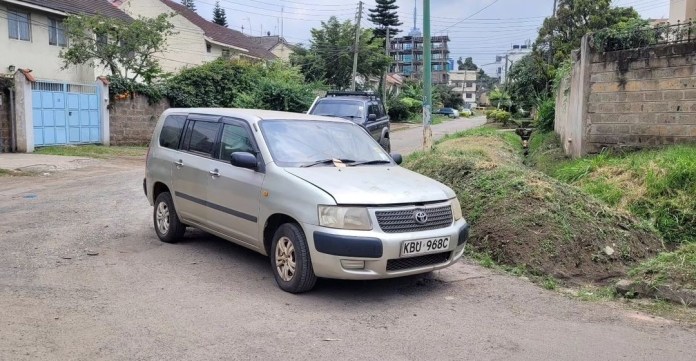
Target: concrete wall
[
  {"x": 37, "y": 54},
  {"x": 628, "y": 99},
  {"x": 132, "y": 121}
]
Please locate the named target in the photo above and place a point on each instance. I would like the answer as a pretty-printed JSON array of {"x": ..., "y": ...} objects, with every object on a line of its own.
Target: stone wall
[
  {"x": 5, "y": 127},
  {"x": 632, "y": 99},
  {"x": 133, "y": 120}
]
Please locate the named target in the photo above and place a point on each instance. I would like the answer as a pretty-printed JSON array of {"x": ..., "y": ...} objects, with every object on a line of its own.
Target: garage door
[{"x": 65, "y": 113}]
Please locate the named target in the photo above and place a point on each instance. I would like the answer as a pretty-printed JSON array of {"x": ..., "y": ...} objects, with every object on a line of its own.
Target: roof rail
[{"x": 334, "y": 93}]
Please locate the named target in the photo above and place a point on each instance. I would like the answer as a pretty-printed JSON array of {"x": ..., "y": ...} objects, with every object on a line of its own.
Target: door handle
[
  {"x": 179, "y": 163},
  {"x": 214, "y": 173}
]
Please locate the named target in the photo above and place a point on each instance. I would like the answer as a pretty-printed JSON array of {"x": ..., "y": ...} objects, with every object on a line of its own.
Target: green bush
[
  {"x": 398, "y": 111},
  {"x": 236, "y": 84},
  {"x": 546, "y": 114}
]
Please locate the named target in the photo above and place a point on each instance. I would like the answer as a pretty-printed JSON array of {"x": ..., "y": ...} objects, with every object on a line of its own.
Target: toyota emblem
[{"x": 420, "y": 216}]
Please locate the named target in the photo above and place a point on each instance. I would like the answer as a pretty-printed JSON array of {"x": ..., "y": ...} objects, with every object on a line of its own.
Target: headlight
[
  {"x": 354, "y": 218},
  {"x": 456, "y": 209}
]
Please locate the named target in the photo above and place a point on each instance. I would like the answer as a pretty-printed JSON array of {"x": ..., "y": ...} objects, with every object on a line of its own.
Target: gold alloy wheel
[
  {"x": 162, "y": 217},
  {"x": 285, "y": 259}
]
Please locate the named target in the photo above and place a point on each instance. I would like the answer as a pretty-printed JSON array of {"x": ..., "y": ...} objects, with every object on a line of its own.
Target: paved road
[
  {"x": 205, "y": 299},
  {"x": 408, "y": 140}
]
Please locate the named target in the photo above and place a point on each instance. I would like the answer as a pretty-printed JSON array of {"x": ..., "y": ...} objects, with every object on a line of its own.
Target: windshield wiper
[
  {"x": 376, "y": 161},
  {"x": 327, "y": 161}
]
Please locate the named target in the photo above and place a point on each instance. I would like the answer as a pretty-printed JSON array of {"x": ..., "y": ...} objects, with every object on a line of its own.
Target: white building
[
  {"x": 504, "y": 62},
  {"x": 32, "y": 36},
  {"x": 681, "y": 10},
  {"x": 196, "y": 40},
  {"x": 464, "y": 83}
]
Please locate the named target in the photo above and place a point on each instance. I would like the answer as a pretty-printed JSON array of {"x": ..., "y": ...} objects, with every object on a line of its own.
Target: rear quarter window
[{"x": 171, "y": 131}]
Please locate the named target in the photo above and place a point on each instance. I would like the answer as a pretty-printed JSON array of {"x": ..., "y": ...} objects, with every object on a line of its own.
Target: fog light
[{"x": 352, "y": 264}]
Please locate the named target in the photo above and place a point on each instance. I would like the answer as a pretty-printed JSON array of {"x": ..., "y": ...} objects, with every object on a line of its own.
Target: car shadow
[{"x": 258, "y": 266}]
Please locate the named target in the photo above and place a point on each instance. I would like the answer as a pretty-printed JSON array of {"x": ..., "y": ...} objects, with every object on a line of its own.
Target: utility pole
[
  {"x": 386, "y": 71},
  {"x": 427, "y": 78},
  {"x": 356, "y": 46}
]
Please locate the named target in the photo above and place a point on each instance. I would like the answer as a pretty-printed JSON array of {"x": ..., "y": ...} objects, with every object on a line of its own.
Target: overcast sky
[{"x": 477, "y": 28}]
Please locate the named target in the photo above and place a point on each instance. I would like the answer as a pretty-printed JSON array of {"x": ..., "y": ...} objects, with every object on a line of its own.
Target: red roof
[{"x": 219, "y": 33}]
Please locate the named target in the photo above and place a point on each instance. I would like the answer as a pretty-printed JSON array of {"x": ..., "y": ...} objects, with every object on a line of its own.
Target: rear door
[
  {"x": 191, "y": 171},
  {"x": 235, "y": 192},
  {"x": 375, "y": 127}
]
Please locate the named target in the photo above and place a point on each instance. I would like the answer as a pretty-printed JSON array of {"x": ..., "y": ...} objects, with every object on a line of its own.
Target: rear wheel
[
  {"x": 290, "y": 260},
  {"x": 168, "y": 227}
]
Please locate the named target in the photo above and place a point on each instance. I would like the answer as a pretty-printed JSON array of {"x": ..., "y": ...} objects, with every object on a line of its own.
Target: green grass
[
  {"x": 671, "y": 268},
  {"x": 93, "y": 151},
  {"x": 656, "y": 185}
]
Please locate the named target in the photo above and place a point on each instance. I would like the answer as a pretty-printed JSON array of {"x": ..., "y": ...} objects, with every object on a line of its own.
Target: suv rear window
[
  {"x": 203, "y": 135},
  {"x": 171, "y": 131},
  {"x": 340, "y": 108}
]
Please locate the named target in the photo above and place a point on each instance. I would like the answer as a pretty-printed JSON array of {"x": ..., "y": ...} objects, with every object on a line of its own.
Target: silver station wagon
[{"x": 318, "y": 195}]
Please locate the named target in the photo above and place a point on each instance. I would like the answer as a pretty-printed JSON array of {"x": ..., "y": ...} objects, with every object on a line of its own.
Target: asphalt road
[
  {"x": 83, "y": 277},
  {"x": 408, "y": 140}
]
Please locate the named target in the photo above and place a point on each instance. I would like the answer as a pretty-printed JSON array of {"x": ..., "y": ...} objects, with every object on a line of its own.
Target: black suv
[{"x": 364, "y": 108}]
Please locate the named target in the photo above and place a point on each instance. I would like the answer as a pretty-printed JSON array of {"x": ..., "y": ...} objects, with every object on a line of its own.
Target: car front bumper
[{"x": 340, "y": 253}]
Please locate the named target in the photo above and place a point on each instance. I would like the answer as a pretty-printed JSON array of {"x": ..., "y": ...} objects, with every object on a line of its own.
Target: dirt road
[{"x": 83, "y": 277}]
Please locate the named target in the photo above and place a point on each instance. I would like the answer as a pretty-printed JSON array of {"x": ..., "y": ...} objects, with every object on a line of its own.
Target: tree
[
  {"x": 467, "y": 64},
  {"x": 384, "y": 16},
  {"x": 445, "y": 95},
  {"x": 329, "y": 57},
  {"x": 561, "y": 34},
  {"x": 530, "y": 79},
  {"x": 125, "y": 48},
  {"x": 219, "y": 16},
  {"x": 189, "y": 4}
]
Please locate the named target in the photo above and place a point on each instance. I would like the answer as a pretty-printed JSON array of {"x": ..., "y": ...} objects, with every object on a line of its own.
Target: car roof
[
  {"x": 254, "y": 115},
  {"x": 347, "y": 97}
]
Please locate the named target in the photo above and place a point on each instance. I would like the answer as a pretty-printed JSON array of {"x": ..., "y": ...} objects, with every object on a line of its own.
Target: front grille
[
  {"x": 415, "y": 262},
  {"x": 405, "y": 220}
]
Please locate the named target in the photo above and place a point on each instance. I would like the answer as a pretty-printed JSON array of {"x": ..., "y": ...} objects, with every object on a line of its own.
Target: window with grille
[{"x": 19, "y": 25}]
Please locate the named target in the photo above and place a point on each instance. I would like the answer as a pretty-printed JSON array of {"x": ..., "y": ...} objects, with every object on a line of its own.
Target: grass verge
[
  {"x": 93, "y": 151},
  {"x": 669, "y": 268},
  {"x": 524, "y": 219}
]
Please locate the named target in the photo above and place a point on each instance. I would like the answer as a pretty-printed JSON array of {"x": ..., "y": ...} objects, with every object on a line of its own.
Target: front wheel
[
  {"x": 168, "y": 227},
  {"x": 290, "y": 260},
  {"x": 386, "y": 144}
]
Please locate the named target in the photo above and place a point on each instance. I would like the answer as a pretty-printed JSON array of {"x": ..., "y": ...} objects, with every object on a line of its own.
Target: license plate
[{"x": 423, "y": 246}]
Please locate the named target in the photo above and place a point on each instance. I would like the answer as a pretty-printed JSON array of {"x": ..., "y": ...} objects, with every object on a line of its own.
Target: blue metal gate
[{"x": 65, "y": 113}]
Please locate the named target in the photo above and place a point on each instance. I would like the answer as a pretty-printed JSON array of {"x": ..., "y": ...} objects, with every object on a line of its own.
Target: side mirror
[
  {"x": 244, "y": 160},
  {"x": 398, "y": 159},
  {"x": 372, "y": 117}
]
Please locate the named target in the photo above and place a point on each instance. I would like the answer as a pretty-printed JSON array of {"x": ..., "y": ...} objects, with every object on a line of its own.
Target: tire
[
  {"x": 290, "y": 243},
  {"x": 386, "y": 144},
  {"x": 168, "y": 227}
]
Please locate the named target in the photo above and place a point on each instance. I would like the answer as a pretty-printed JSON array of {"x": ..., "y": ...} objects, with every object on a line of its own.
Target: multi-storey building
[
  {"x": 464, "y": 83},
  {"x": 407, "y": 53},
  {"x": 510, "y": 57}
]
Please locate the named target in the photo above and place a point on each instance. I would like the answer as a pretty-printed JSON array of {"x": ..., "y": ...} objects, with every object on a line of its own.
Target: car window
[
  {"x": 202, "y": 138},
  {"x": 350, "y": 109},
  {"x": 373, "y": 109},
  {"x": 171, "y": 131},
  {"x": 381, "y": 113},
  {"x": 235, "y": 138},
  {"x": 290, "y": 145}
]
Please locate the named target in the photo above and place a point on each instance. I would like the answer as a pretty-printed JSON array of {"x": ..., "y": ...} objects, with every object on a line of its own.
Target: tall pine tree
[
  {"x": 189, "y": 4},
  {"x": 384, "y": 16},
  {"x": 219, "y": 16}
]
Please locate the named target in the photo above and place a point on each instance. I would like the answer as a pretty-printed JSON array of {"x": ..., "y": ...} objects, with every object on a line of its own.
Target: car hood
[{"x": 374, "y": 185}]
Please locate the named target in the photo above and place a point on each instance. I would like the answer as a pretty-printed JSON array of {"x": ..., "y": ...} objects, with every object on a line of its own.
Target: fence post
[
  {"x": 102, "y": 84},
  {"x": 24, "y": 123}
]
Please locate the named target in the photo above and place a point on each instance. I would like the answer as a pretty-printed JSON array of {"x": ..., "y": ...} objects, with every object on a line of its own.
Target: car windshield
[
  {"x": 340, "y": 108},
  {"x": 297, "y": 143}
]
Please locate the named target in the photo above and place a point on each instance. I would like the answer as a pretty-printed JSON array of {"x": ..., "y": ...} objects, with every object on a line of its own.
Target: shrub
[
  {"x": 397, "y": 110},
  {"x": 546, "y": 114},
  {"x": 503, "y": 116}
]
